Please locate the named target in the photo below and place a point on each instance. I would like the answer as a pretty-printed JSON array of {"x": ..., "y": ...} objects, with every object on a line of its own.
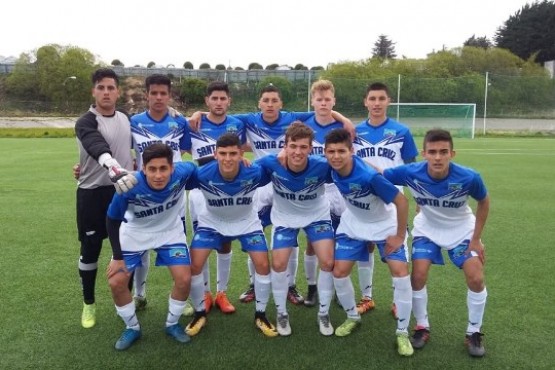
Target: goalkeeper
[{"x": 104, "y": 141}]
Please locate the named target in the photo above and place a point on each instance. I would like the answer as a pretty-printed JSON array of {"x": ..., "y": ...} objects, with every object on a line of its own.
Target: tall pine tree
[{"x": 384, "y": 48}]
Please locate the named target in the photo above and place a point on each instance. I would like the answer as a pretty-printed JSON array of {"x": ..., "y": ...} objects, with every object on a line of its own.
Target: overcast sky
[{"x": 236, "y": 33}]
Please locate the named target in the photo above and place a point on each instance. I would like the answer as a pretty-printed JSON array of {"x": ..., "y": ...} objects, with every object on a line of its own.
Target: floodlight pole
[
  {"x": 398, "y": 95},
  {"x": 486, "y": 102}
]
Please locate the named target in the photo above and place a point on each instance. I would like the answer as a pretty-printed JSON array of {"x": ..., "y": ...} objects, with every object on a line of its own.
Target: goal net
[{"x": 458, "y": 118}]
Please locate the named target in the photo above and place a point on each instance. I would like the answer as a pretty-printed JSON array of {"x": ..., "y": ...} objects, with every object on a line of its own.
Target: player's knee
[
  {"x": 118, "y": 284},
  {"x": 326, "y": 265},
  {"x": 475, "y": 282},
  {"x": 182, "y": 282},
  {"x": 418, "y": 279},
  {"x": 90, "y": 249},
  {"x": 279, "y": 266},
  {"x": 339, "y": 272}
]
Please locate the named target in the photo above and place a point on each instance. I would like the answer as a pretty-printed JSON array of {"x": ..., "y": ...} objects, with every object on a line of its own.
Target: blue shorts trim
[
  {"x": 286, "y": 237},
  {"x": 207, "y": 238},
  {"x": 264, "y": 216},
  {"x": 424, "y": 248},
  {"x": 350, "y": 249},
  {"x": 168, "y": 255}
]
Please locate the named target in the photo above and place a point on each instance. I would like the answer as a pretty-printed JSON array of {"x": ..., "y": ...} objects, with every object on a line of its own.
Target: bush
[{"x": 193, "y": 91}]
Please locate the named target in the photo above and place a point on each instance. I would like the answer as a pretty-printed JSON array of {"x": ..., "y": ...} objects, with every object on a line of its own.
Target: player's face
[
  {"x": 438, "y": 154},
  {"x": 270, "y": 104},
  {"x": 229, "y": 159},
  {"x": 158, "y": 97},
  {"x": 339, "y": 156},
  {"x": 158, "y": 172},
  {"x": 377, "y": 102},
  {"x": 106, "y": 94},
  {"x": 297, "y": 152},
  {"x": 218, "y": 103},
  {"x": 323, "y": 102}
]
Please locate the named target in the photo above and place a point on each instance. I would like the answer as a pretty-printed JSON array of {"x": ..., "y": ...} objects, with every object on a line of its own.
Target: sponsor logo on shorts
[
  {"x": 322, "y": 228},
  {"x": 179, "y": 253},
  {"x": 421, "y": 250},
  {"x": 343, "y": 247}
]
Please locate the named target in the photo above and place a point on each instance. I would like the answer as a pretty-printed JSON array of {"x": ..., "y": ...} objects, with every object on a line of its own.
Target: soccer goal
[{"x": 458, "y": 118}]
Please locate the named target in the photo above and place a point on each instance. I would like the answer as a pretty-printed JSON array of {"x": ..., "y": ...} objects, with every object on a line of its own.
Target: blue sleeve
[
  {"x": 478, "y": 189},
  {"x": 185, "y": 141},
  {"x": 396, "y": 175},
  {"x": 265, "y": 177},
  {"x": 118, "y": 206},
  {"x": 302, "y": 116},
  {"x": 409, "y": 150},
  {"x": 265, "y": 163},
  {"x": 243, "y": 117},
  {"x": 384, "y": 189}
]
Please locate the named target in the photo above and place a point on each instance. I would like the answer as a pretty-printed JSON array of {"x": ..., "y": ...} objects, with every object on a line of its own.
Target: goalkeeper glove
[{"x": 122, "y": 179}]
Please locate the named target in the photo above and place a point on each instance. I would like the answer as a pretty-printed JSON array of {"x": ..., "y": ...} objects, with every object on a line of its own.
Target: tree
[
  {"x": 150, "y": 64},
  {"x": 204, "y": 66},
  {"x": 255, "y": 65},
  {"x": 239, "y": 68},
  {"x": 300, "y": 67},
  {"x": 117, "y": 63},
  {"x": 478, "y": 42},
  {"x": 530, "y": 32},
  {"x": 384, "y": 48},
  {"x": 317, "y": 68},
  {"x": 188, "y": 65},
  {"x": 272, "y": 67},
  {"x": 193, "y": 90},
  {"x": 220, "y": 67}
]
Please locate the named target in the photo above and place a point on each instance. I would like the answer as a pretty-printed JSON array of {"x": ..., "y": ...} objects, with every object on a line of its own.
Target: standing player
[
  {"x": 104, "y": 141},
  {"x": 202, "y": 146},
  {"x": 441, "y": 188},
  {"x": 149, "y": 217},
  {"x": 369, "y": 217},
  {"x": 228, "y": 187},
  {"x": 300, "y": 203},
  {"x": 156, "y": 125},
  {"x": 383, "y": 143}
]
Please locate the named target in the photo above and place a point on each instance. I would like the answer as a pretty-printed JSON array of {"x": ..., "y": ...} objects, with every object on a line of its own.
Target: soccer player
[
  {"x": 383, "y": 143},
  {"x": 104, "y": 141},
  {"x": 144, "y": 218},
  {"x": 156, "y": 125},
  {"x": 369, "y": 217},
  {"x": 228, "y": 187},
  {"x": 202, "y": 145},
  {"x": 300, "y": 203},
  {"x": 445, "y": 221}
]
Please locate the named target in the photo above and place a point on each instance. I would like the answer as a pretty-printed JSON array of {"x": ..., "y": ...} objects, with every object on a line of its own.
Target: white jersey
[
  {"x": 369, "y": 214},
  {"x": 229, "y": 204},
  {"x": 298, "y": 197},
  {"x": 445, "y": 216},
  {"x": 152, "y": 215}
]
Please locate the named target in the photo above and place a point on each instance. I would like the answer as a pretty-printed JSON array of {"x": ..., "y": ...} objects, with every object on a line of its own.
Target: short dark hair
[
  {"x": 101, "y": 73},
  {"x": 270, "y": 88},
  {"x": 437, "y": 134},
  {"x": 338, "y": 136},
  {"x": 217, "y": 86},
  {"x": 158, "y": 79},
  {"x": 298, "y": 130},
  {"x": 157, "y": 150},
  {"x": 377, "y": 86},
  {"x": 228, "y": 139}
]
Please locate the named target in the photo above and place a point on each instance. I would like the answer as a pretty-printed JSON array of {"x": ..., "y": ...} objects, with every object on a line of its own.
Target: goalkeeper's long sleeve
[{"x": 112, "y": 226}]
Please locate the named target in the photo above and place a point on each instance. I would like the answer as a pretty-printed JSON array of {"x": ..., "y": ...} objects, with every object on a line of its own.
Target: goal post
[{"x": 458, "y": 118}]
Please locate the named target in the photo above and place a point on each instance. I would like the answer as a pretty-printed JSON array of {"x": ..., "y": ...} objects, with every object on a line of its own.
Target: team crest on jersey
[
  {"x": 232, "y": 128},
  {"x": 173, "y": 125},
  {"x": 354, "y": 187},
  {"x": 245, "y": 183},
  {"x": 311, "y": 180},
  {"x": 389, "y": 132},
  {"x": 455, "y": 186}
]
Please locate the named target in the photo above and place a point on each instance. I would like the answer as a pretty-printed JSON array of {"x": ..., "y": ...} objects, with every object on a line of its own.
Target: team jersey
[
  {"x": 298, "y": 197},
  {"x": 445, "y": 216},
  {"x": 269, "y": 138},
  {"x": 145, "y": 211},
  {"x": 320, "y": 132},
  {"x": 146, "y": 131},
  {"x": 203, "y": 144},
  {"x": 385, "y": 146},
  {"x": 229, "y": 204},
  {"x": 369, "y": 214}
]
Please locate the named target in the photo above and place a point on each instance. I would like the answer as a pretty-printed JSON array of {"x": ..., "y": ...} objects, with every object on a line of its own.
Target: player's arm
[
  {"x": 117, "y": 264},
  {"x": 482, "y": 211},
  {"x": 195, "y": 120},
  {"x": 347, "y": 123},
  {"x": 394, "y": 242}
]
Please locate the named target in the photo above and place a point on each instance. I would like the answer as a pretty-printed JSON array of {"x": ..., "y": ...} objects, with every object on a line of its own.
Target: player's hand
[
  {"x": 173, "y": 112},
  {"x": 246, "y": 162},
  {"x": 122, "y": 179},
  {"x": 116, "y": 267},
  {"x": 393, "y": 243},
  {"x": 194, "y": 121},
  {"x": 76, "y": 171},
  {"x": 477, "y": 247},
  {"x": 282, "y": 158}
]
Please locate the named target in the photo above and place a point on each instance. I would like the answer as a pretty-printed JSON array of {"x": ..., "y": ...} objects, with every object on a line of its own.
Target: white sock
[
  {"x": 129, "y": 316},
  {"x": 346, "y": 294},
  {"x": 279, "y": 290},
  {"x": 420, "y": 307},
  {"x": 141, "y": 273},
  {"x": 175, "y": 310},
  {"x": 402, "y": 297},
  {"x": 224, "y": 266},
  {"x": 310, "y": 268},
  {"x": 292, "y": 266},
  {"x": 197, "y": 292},
  {"x": 252, "y": 271},
  {"x": 206, "y": 275},
  {"x": 325, "y": 291},
  {"x": 365, "y": 276},
  {"x": 476, "y": 303},
  {"x": 262, "y": 287}
]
